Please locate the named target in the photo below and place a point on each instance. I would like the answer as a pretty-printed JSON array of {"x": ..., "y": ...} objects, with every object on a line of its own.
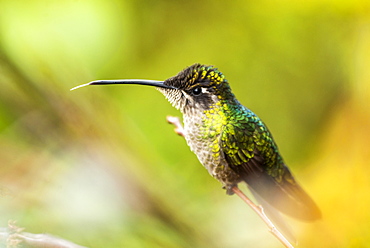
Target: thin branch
[
  {"x": 14, "y": 237},
  {"x": 262, "y": 215},
  {"x": 258, "y": 209},
  {"x": 177, "y": 123}
]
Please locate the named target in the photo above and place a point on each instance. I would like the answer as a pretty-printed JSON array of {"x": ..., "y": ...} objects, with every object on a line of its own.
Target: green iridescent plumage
[{"x": 231, "y": 142}]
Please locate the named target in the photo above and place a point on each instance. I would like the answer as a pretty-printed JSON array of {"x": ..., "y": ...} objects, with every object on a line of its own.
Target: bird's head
[{"x": 196, "y": 87}]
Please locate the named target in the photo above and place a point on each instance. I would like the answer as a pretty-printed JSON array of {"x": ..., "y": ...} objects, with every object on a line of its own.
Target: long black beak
[{"x": 128, "y": 81}]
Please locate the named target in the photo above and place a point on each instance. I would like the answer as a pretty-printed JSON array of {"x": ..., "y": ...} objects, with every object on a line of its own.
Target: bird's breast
[
  {"x": 203, "y": 133},
  {"x": 206, "y": 147}
]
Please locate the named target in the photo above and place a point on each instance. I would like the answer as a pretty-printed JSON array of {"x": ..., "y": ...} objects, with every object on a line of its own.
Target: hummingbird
[{"x": 231, "y": 141}]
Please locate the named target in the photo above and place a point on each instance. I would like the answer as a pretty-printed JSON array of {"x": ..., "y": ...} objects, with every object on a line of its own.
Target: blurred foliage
[{"x": 99, "y": 166}]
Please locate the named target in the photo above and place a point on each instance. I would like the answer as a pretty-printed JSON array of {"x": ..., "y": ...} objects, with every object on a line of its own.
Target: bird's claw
[{"x": 229, "y": 189}]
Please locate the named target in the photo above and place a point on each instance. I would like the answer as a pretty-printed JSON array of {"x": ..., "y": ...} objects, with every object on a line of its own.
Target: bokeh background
[{"x": 100, "y": 166}]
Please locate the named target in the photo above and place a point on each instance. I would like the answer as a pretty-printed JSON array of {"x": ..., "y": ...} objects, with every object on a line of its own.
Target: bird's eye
[{"x": 197, "y": 91}]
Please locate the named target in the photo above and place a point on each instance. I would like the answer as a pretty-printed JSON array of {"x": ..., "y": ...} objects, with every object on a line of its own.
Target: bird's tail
[{"x": 275, "y": 217}]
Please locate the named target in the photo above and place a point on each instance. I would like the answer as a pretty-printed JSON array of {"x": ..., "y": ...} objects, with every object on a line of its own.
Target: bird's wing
[{"x": 250, "y": 151}]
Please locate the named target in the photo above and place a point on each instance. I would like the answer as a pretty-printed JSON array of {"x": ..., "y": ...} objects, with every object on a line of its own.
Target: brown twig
[
  {"x": 177, "y": 123},
  {"x": 258, "y": 209},
  {"x": 262, "y": 215}
]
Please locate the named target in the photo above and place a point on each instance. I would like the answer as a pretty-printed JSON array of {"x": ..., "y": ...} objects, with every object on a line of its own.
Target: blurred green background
[{"x": 101, "y": 167}]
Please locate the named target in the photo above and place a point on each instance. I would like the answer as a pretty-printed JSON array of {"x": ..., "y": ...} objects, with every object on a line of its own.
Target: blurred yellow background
[{"x": 100, "y": 166}]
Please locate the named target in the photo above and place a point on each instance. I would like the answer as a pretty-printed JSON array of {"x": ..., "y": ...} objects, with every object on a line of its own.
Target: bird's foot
[
  {"x": 229, "y": 189},
  {"x": 177, "y": 123}
]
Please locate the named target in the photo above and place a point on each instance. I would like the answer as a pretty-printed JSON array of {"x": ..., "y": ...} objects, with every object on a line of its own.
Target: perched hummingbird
[{"x": 231, "y": 141}]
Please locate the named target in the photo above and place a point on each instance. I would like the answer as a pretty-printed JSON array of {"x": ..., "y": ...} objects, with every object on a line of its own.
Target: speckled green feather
[{"x": 232, "y": 142}]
